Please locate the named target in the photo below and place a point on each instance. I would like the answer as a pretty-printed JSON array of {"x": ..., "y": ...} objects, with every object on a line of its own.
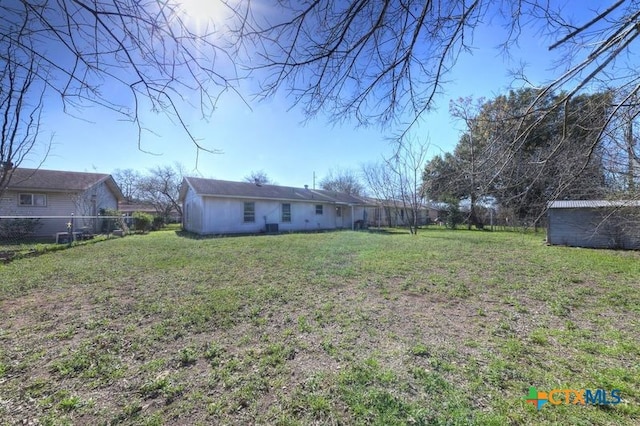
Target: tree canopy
[{"x": 561, "y": 157}]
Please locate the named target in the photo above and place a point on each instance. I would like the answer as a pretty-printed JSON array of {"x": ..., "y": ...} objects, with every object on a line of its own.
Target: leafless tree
[
  {"x": 161, "y": 187},
  {"x": 129, "y": 182},
  {"x": 379, "y": 183},
  {"x": 342, "y": 180},
  {"x": 397, "y": 183},
  {"x": 259, "y": 177},
  {"x": 407, "y": 166},
  {"x": 385, "y": 61},
  {"x": 125, "y": 55},
  {"x": 21, "y": 100},
  {"x": 621, "y": 155}
]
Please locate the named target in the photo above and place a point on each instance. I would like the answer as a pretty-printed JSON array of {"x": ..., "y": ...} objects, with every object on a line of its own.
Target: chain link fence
[{"x": 17, "y": 231}]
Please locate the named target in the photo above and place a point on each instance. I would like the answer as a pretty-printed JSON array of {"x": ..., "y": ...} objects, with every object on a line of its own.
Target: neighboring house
[
  {"x": 128, "y": 209},
  {"x": 594, "y": 223},
  {"x": 213, "y": 206},
  {"x": 388, "y": 213},
  {"x": 54, "y": 196}
]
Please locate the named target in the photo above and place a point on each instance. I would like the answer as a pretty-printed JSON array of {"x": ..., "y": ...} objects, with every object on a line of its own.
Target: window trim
[
  {"x": 251, "y": 214},
  {"x": 33, "y": 196},
  {"x": 319, "y": 209},
  {"x": 285, "y": 218}
]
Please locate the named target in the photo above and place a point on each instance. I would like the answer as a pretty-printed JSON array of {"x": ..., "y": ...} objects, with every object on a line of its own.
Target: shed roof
[
  {"x": 230, "y": 189},
  {"x": 592, "y": 204}
]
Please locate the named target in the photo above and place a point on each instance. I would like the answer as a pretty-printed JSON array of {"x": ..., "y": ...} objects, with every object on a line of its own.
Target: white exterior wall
[
  {"x": 105, "y": 198},
  {"x": 62, "y": 204},
  {"x": 192, "y": 212},
  {"x": 90, "y": 203},
  {"x": 58, "y": 204},
  {"x": 214, "y": 215}
]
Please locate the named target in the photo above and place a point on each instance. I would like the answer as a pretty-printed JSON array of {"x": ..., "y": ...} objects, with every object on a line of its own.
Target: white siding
[
  {"x": 226, "y": 215},
  {"x": 91, "y": 202},
  {"x": 193, "y": 212},
  {"x": 104, "y": 196},
  {"x": 62, "y": 204},
  {"x": 58, "y": 204}
]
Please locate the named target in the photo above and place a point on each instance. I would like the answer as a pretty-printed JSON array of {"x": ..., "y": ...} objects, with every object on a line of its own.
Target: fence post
[{"x": 70, "y": 231}]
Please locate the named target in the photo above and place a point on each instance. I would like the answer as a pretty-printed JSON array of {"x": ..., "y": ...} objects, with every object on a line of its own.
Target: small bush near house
[
  {"x": 158, "y": 223},
  {"x": 113, "y": 220},
  {"x": 142, "y": 221}
]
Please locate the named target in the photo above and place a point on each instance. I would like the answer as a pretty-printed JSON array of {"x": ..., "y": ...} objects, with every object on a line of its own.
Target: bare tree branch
[
  {"x": 121, "y": 54},
  {"x": 21, "y": 104}
]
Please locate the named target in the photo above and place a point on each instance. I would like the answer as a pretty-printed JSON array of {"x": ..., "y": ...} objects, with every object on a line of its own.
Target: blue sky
[{"x": 271, "y": 136}]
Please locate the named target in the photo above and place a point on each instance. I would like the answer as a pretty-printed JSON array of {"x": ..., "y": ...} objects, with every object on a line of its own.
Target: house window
[
  {"x": 338, "y": 211},
  {"x": 286, "y": 212},
  {"x": 37, "y": 200},
  {"x": 318, "y": 208},
  {"x": 249, "y": 212}
]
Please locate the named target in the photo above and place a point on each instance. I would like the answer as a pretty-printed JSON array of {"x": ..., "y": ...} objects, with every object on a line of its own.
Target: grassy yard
[{"x": 449, "y": 327}]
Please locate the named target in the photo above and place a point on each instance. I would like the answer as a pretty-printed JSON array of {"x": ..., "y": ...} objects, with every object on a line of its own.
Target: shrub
[
  {"x": 113, "y": 221},
  {"x": 454, "y": 216},
  {"x": 158, "y": 223},
  {"x": 142, "y": 221}
]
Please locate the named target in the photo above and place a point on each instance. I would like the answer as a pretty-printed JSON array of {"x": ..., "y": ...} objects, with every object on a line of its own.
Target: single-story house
[
  {"x": 211, "y": 206},
  {"x": 594, "y": 223},
  {"x": 129, "y": 208},
  {"x": 52, "y": 197}
]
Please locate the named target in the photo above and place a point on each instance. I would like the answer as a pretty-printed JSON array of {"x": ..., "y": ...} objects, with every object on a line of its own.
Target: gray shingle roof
[
  {"x": 592, "y": 204},
  {"x": 58, "y": 180},
  {"x": 224, "y": 188}
]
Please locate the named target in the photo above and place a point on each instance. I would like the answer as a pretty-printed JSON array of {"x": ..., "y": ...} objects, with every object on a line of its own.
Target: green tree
[
  {"x": 142, "y": 221},
  {"x": 559, "y": 157},
  {"x": 453, "y": 214}
]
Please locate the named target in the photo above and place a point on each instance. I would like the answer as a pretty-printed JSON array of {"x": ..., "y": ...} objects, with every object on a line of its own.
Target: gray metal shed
[{"x": 594, "y": 223}]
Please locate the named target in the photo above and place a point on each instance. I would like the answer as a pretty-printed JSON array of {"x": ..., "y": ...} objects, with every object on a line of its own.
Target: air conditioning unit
[{"x": 272, "y": 228}]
